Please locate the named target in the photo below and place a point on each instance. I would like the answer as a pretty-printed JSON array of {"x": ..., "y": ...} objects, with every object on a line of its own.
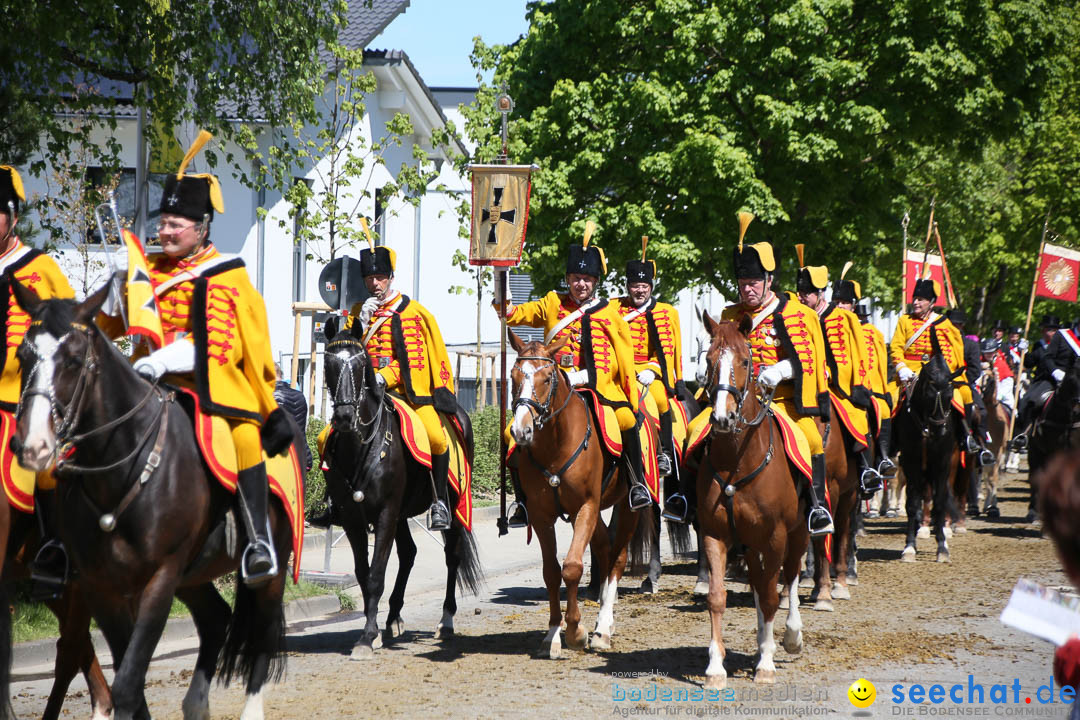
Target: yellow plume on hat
[
  {"x": 367, "y": 233},
  {"x": 744, "y": 222},
  {"x": 799, "y": 250},
  {"x": 590, "y": 228},
  {"x": 16, "y": 181},
  {"x": 644, "y": 244},
  {"x": 847, "y": 266},
  {"x": 215, "y": 187}
]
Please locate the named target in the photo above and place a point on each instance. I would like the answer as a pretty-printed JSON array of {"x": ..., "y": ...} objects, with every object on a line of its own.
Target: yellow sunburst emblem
[{"x": 1059, "y": 277}]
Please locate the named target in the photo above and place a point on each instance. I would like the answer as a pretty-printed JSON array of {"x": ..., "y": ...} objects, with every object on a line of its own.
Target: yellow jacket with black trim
[
  {"x": 655, "y": 337},
  {"x": 877, "y": 361},
  {"x": 941, "y": 337},
  {"x": 39, "y": 272},
  {"x": 844, "y": 355},
  {"x": 791, "y": 331},
  {"x": 406, "y": 334},
  {"x": 598, "y": 341}
]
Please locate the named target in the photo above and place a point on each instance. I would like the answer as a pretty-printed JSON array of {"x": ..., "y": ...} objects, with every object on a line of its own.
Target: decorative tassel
[
  {"x": 799, "y": 248},
  {"x": 744, "y": 222}
]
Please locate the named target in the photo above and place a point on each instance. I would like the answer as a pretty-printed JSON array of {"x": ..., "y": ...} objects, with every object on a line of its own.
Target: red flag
[
  {"x": 1059, "y": 268},
  {"x": 913, "y": 265}
]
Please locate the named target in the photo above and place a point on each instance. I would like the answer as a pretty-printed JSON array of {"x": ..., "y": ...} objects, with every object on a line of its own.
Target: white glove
[
  {"x": 1023, "y": 344},
  {"x": 178, "y": 357},
  {"x": 115, "y": 298},
  {"x": 905, "y": 373},
  {"x": 773, "y": 375},
  {"x": 367, "y": 309},
  {"x": 577, "y": 377},
  {"x": 380, "y": 380},
  {"x": 120, "y": 259},
  {"x": 1058, "y": 375},
  {"x": 646, "y": 377}
]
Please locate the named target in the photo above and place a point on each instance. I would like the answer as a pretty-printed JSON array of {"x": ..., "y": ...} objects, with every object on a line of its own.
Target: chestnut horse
[
  {"x": 747, "y": 494},
  {"x": 565, "y": 473},
  {"x": 997, "y": 423}
]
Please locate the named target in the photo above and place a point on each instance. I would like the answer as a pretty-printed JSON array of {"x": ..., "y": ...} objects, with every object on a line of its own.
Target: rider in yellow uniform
[
  {"x": 789, "y": 351},
  {"x": 921, "y": 333},
  {"x": 33, "y": 269},
  {"x": 876, "y": 365},
  {"x": 217, "y": 340},
  {"x": 407, "y": 351},
  {"x": 598, "y": 355},
  {"x": 657, "y": 343},
  {"x": 846, "y": 366}
]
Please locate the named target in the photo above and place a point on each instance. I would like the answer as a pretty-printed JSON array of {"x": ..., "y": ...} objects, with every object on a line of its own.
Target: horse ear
[
  {"x": 557, "y": 346},
  {"x": 330, "y": 327},
  {"x": 91, "y": 306},
  {"x": 27, "y": 299},
  {"x": 515, "y": 342},
  {"x": 745, "y": 325},
  {"x": 356, "y": 330},
  {"x": 710, "y": 324}
]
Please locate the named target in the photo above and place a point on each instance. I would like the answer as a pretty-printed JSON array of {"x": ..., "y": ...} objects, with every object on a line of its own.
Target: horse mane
[
  {"x": 937, "y": 372},
  {"x": 56, "y": 315}
]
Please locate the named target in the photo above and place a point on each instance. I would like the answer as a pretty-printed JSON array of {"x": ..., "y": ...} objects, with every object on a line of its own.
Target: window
[{"x": 125, "y": 199}]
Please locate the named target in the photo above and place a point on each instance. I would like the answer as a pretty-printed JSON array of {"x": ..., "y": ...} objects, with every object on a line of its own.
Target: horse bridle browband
[
  {"x": 741, "y": 422},
  {"x": 541, "y": 411}
]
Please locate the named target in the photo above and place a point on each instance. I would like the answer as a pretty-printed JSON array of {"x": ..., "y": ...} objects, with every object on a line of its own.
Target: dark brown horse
[
  {"x": 139, "y": 511},
  {"x": 566, "y": 474},
  {"x": 747, "y": 495}
]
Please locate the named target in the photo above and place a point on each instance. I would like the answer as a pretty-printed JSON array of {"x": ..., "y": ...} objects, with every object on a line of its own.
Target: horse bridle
[
  {"x": 939, "y": 413},
  {"x": 346, "y": 394},
  {"x": 541, "y": 410},
  {"x": 741, "y": 423}
]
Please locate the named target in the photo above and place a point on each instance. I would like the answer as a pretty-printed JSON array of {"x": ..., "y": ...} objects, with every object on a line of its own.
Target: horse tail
[
  {"x": 680, "y": 537},
  {"x": 6, "y": 710},
  {"x": 641, "y": 543},
  {"x": 256, "y": 630},
  {"x": 470, "y": 575}
]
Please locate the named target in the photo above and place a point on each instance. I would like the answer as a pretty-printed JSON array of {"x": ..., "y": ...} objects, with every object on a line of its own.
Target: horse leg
[
  {"x": 793, "y": 640},
  {"x": 625, "y": 521},
  {"x": 716, "y": 552},
  {"x": 842, "y": 541},
  {"x": 822, "y": 594},
  {"x": 912, "y": 503},
  {"x": 602, "y": 550},
  {"x": 701, "y": 587},
  {"x": 257, "y": 633},
  {"x": 211, "y": 615},
  {"x": 454, "y": 540},
  {"x": 551, "y": 647},
  {"x": 651, "y": 583},
  {"x": 406, "y": 552},
  {"x": 584, "y": 525},
  {"x": 376, "y": 581},
  {"x": 942, "y": 502},
  {"x": 75, "y": 651},
  {"x": 764, "y": 572}
]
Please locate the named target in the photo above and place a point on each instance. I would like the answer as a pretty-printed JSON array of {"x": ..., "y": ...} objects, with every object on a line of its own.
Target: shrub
[{"x": 314, "y": 483}]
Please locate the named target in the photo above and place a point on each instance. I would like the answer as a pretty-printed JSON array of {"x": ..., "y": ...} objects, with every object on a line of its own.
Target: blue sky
[{"x": 437, "y": 35}]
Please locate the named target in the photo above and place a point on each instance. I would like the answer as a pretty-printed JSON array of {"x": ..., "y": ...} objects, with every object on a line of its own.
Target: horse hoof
[
  {"x": 648, "y": 587},
  {"x": 852, "y": 581},
  {"x": 600, "y": 641},
  {"x": 793, "y": 642},
  {"x": 948, "y": 532},
  {"x": 551, "y": 649},
  {"x": 824, "y": 605},
  {"x": 908, "y": 555},
  {"x": 443, "y": 631},
  {"x": 765, "y": 677},
  {"x": 376, "y": 642},
  {"x": 362, "y": 653},
  {"x": 715, "y": 682},
  {"x": 943, "y": 557},
  {"x": 578, "y": 640},
  {"x": 701, "y": 589},
  {"x": 924, "y": 532},
  {"x": 785, "y": 602},
  {"x": 840, "y": 592},
  {"x": 395, "y": 628},
  {"x": 806, "y": 582}
]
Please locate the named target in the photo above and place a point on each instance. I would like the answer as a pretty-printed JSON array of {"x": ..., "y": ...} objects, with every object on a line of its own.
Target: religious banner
[
  {"x": 500, "y": 213},
  {"x": 913, "y": 270},
  {"x": 1059, "y": 268}
]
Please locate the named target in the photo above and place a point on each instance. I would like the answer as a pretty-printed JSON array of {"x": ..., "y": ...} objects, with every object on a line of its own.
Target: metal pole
[
  {"x": 500, "y": 289},
  {"x": 903, "y": 263},
  {"x": 140, "y": 174}
]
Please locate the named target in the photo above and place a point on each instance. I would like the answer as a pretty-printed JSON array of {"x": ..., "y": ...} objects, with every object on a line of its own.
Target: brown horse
[
  {"x": 74, "y": 648},
  {"x": 997, "y": 423},
  {"x": 747, "y": 495},
  {"x": 565, "y": 473}
]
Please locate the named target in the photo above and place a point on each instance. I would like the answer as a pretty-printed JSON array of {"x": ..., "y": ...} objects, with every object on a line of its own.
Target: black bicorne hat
[
  {"x": 956, "y": 316},
  {"x": 1050, "y": 321},
  {"x": 377, "y": 261},
  {"x": 845, "y": 292},
  {"x": 925, "y": 289}
]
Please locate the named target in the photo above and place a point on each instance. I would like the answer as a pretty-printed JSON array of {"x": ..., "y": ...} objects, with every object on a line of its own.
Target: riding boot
[
  {"x": 439, "y": 515},
  {"x": 819, "y": 519},
  {"x": 50, "y": 568},
  {"x": 869, "y": 478},
  {"x": 666, "y": 458},
  {"x": 886, "y": 467},
  {"x": 639, "y": 496},
  {"x": 519, "y": 516},
  {"x": 977, "y": 435},
  {"x": 259, "y": 561}
]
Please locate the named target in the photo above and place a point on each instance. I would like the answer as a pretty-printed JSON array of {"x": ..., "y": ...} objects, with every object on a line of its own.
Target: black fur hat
[
  {"x": 11, "y": 188},
  {"x": 926, "y": 289},
  {"x": 379, "y": 260},
  {"x": 193, "y": 196},
  {"x": 586, "y": 259}
]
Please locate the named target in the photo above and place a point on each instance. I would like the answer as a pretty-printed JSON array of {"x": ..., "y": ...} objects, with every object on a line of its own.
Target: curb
[
  {"x": 43, "y": 652},
  {"x": 313, "y": 537}
]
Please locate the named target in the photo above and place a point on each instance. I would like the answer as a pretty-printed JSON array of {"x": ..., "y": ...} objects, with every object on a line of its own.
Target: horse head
[
  {"x": 730, "y": 372},
  {"x": 60, "y": 361},
  {"x": 932, "y": 393},
  {"x": 535, "y": 383},
  {"x": 349, "y": 375}
]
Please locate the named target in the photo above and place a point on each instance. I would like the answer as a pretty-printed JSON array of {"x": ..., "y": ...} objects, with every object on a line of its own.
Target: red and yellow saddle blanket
[
  {"x": 285, "y": 473},
  {"x": 459, "y": 474},
  {"x": 852, "y": 418},
  {"x": 19, "y": 483},
  {"x": 608, "y": 427},
  {"x": 795, "y": 444}
]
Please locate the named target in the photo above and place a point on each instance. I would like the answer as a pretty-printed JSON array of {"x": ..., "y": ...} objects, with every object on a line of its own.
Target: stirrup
[
  {"x": 870, "y": 481},
  {"x": 517, "y": 515},
  {"x": 256, "y": 579},
  {"x": 886, "y": 467},
  {"x": 643, "y": 499},
  {"x": 826, "y": 529},
  {"x": 663, "y": 463},
  {"x": 986, "y": 458},
  {"x": 1019, "y": 443},
  {"x": 671, "y": 507},
  {"x": 49, "y": 571},
  {"x": 972, "y": 444},
  {"x": 438, "y": 516}
]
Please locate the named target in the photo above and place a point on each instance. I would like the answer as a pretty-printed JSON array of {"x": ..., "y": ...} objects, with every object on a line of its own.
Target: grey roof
[{"x": 365, "y": 23}]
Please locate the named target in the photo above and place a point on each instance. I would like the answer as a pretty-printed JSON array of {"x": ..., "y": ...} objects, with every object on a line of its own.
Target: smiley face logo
[{"x": 862, "y": 693}]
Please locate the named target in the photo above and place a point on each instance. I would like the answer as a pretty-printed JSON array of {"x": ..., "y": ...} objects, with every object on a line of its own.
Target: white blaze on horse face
[
  {"x": 40, "y": 436},
  {"x": 523, "y": 415},
  {"x": 720, "y": 411}
]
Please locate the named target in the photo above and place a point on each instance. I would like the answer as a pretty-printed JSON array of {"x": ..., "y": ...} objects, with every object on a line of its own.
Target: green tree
[{"x": 665, "y": 117}]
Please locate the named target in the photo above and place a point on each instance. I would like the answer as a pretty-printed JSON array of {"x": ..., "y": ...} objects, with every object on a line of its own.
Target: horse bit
[
  {"x": 542, "y": 414},
  {"x": 346, "y": 394}
]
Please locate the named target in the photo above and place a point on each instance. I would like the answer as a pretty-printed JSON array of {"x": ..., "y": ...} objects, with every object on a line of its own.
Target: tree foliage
[{"x": 825, "y": 118}]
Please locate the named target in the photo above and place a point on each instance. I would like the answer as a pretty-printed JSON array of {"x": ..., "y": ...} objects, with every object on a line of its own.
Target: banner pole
[
  {"x": 903, "y": 262},
  {"x": 1027, "y": 324},
  {"x": 945, "y": 269},
  {"x": 929, "y": 232}
]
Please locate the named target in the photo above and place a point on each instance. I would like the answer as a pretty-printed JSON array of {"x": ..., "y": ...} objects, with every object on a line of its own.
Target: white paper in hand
[{"x": 1043, "y": 612}]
